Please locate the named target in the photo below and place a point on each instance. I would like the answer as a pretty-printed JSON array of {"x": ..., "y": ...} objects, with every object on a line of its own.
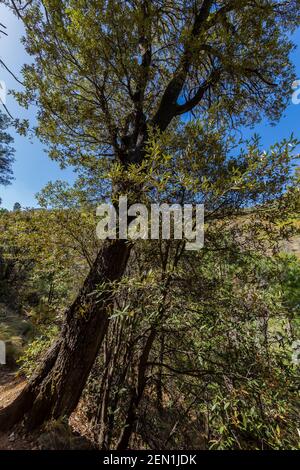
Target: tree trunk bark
[
  {"x": 55, "y": 389},
  {"x": 137, "y": 393}
]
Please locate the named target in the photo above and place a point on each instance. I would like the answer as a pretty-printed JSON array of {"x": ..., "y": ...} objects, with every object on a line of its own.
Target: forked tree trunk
[{"x": 55, "y": 389}]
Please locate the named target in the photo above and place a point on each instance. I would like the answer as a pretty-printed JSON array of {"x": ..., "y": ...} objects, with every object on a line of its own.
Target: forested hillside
[
  {"x": 139, "y": 343},
  {"x": 161, "y": 378}
]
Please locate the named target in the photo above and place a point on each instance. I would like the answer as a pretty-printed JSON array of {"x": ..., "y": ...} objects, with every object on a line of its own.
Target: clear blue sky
[{"x": 33, "y": 169}]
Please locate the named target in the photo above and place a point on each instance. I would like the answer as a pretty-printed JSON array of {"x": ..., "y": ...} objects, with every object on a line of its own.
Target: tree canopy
[{"x": 103, "y": 72}]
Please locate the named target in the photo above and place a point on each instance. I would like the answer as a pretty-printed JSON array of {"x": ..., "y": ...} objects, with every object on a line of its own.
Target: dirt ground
[
  {"x": 10, "y": 386},
  {"x": 74, "y": 437}
]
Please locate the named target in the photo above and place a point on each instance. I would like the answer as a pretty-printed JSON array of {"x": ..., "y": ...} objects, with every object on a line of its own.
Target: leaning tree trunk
[{"x": 55, "y": 389}]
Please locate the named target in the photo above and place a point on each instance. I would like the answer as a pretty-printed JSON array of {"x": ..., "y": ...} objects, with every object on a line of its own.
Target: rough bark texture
[
  {"x": 55, "y": 389},
  {"x": 137, "y": 393},
  {"x": 57, "y": 386}
]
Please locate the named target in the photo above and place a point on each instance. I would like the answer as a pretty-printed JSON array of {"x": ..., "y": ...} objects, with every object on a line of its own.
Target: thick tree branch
[
  {"x": 190, "y": 104},
  {"x": 168, "y": 106}
]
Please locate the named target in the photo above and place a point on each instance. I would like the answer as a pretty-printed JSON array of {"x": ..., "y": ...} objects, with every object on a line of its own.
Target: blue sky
[{"x": 33, "y": 169}]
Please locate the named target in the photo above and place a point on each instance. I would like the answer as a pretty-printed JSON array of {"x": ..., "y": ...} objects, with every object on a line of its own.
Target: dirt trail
[
  {"x": 10, "y": 386},
  {"x": 73, "y": 437}
]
